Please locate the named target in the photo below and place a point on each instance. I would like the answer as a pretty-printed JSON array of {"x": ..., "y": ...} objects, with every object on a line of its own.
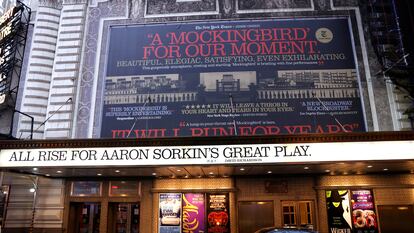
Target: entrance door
[
  {"x": 396, "y": 218},
  {"x": 84, "y": 217},
  {"x": 254, "y": 215},
  {"x": 123, "y": 218}
]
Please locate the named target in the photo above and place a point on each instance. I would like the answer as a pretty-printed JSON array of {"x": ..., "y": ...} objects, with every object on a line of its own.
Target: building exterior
[{"x": 206, "y": 116}]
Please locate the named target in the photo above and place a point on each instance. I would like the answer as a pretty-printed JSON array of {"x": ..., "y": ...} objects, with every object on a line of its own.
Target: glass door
[
  {"x": 84, "y": 218},
  {"x": 123, "y": 218}
]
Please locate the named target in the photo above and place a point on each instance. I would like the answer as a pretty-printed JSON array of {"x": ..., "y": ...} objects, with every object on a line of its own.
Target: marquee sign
[
  {"x": 14, "y": 26},
  {"x": 208, "y": 154},
  {"x": 10, "y": 26}
]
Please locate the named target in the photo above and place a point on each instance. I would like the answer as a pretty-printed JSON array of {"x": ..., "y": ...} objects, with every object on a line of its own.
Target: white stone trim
[{"x": 96, "y": 70}]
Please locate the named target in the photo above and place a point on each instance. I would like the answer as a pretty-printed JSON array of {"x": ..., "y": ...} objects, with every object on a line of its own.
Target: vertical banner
[
  {"x": 339, "y": 215},
  {"x": 218, "y": 213},
  {"x": 227, "y": 78},
  {"x": 193, "y": 213},
  {"x": 363, "y": 212},
  {"x": 170, "y": 213}
]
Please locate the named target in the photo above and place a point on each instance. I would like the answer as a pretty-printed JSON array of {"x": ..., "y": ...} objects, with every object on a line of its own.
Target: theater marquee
[{"x": 209, "y": 154}]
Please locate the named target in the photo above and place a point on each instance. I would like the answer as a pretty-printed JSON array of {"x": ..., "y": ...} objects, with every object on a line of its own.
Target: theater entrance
[
  {"x": 84, "y": 217},
  {"x": 123, "y": 218}
]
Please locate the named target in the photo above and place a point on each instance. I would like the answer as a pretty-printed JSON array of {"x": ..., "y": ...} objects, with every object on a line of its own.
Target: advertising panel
[
  {"x": 218, "y": 215},
  {"x": 339, "y": 215},
  {"x": 14, "y": 25},
  {"x": 170, "y": 213},
  {"x": 363, "y": 212},
  {"x": 223, "y": 78},
  {"x": 193, "y": 213}
]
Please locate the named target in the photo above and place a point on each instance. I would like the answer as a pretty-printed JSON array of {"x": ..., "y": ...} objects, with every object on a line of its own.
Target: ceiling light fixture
[
  {"x": 385, "y": 169},
  {"x": 117, "y": 171},
  {"x": 306, "y": 168},
  {"x": 35, "y": 169},
  {"x": 99, "y": 174},
  {"x": 59, "y": 171},
  {"x": 242, "y": 169},
  {"x": 369, "y": 166},
  {"x": 269, "y": 172}
]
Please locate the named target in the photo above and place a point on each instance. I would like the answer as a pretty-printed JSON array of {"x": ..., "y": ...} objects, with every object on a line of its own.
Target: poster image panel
[
  {"x": 218, "y": 214},
  {"x": 339, "y": 215},
  {"x": 170, "y": 213},
  {"x": 364, "y": 217},
  {"x": 224, "y": 78},
  {"x": 194, "y": 213}
]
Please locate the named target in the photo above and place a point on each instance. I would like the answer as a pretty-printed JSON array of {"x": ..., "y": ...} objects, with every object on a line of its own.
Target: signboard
[
  {"x": 218, "y": 216},
  {"x": 363, "y": 212},
  {"x": 170, "y": 213},
  {"x": 339, "y": 216},
  {"x": 9, "y": 27},
  {"x": 208, "y": 154},
  {"x": 13, "y": 32},
  {"x": 222, "y": 78},
  {"x": 193, "y": 213}
]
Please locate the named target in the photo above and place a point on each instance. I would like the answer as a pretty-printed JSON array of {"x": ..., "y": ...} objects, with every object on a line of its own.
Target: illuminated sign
[
  {"x": 13, "y": 30},
  {"x": 208, "y": 154},
  {"x": 231, "y": 78}
]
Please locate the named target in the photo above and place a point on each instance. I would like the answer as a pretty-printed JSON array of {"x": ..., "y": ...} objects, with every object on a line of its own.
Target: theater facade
[{"x": 210, "y": 116}]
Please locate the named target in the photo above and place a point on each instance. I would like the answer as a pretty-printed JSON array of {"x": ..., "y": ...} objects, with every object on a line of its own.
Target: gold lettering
[
  {"x": 5, "y": 32},
  {"x": 188, "y": 225},
  {"x": 7, "y": 15}
]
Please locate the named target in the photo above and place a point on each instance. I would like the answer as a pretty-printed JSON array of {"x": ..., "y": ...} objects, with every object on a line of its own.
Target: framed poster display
[
  {"x": 218, "y": 215},
  {"x": 170, "y": 213}
]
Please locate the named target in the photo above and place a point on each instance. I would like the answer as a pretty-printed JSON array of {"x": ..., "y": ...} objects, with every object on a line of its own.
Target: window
[
  {"x": 124, "y": 188},
  {"x": 289, "y": 218},
  {"x": 297, "y": 214},
  {"x": 86, "y": 188}
]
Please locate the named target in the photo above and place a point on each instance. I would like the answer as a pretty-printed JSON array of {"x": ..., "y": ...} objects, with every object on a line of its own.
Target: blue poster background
[
  {"x": 224, "y": 78},
  {"x": 170, "y": 213}
]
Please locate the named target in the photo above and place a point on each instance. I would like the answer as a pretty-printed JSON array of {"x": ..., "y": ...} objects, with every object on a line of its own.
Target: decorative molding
[
  {"x": 169, "y": 5},
  {"x": 264, "y": 6},
  {"x": 94, "y": 3},
  {"x": 57, "y": 4},
  {"x": 342, "y": 3},
  {"x": 87, "y": 85},
  {"x": 71, "y": 2}
]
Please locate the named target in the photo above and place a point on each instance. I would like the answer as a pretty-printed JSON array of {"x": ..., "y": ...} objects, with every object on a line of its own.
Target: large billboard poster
[
  {"x": 223, "y": 78},
  {"x": 193, "y": 213},
  {"x": 218, "y": 216},
  {"x": 170, "y": 213},
  {"x": 339, "y": 211},
  {"x": 363, "y": 212}
]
